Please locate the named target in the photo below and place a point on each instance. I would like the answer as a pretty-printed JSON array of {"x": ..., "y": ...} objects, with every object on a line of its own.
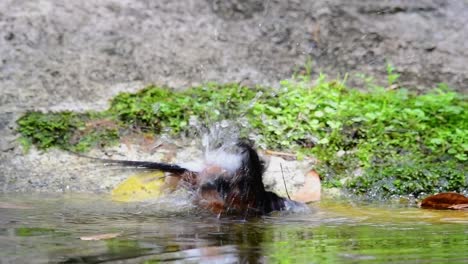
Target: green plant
[
  {"x": 392, "y": 77},
  {"x": 65, "y": 130},
  {"x": 47, "y": 130}
]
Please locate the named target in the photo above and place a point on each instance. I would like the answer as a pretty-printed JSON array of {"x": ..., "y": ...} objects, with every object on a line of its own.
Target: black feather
[{"x": 166, "y": 167}]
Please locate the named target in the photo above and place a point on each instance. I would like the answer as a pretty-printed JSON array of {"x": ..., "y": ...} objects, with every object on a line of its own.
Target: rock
[
  {"x": 76, "y": 55},
  {"x": 311, "y": 189}
]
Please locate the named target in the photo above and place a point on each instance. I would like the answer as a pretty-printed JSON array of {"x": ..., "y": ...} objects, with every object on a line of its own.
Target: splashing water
[
  {"x": 221, "y": 149},
  {"x": 228, "y": 177},
  {"x": 217, "y": 142}
]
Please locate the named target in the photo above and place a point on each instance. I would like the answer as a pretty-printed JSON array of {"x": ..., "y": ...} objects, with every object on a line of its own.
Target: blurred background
[{"x": 70, "y": 54}]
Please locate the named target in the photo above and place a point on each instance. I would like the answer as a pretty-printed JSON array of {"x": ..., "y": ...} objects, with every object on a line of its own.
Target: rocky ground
[{"x": 75, "y": 55}]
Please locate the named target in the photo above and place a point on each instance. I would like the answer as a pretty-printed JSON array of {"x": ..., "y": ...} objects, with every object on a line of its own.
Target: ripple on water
[{"x": 155, "y": 231}]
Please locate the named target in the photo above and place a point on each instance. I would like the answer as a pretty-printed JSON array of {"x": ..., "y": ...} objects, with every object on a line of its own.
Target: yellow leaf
[
  {"x": 139, "y": 187},
  {"x": 100, "y": 236}
]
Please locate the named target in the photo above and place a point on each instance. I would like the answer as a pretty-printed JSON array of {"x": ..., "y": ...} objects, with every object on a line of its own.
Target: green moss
[
  {"x": 402, "y": 143},
  {"x": 48, "y": 130},
  {"x": 162, "y": 109},
  {"x": 65, "y": 130},
  {"x": 399, "y": 142}
]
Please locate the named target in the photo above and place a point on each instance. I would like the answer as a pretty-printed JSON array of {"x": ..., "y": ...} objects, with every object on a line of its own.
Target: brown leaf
[
  {"x": 283, "y": 155},
  {"x": 100, "y": 237},
  {"x": 445, "y": 201},
  {"x": 311, "y": 190}
]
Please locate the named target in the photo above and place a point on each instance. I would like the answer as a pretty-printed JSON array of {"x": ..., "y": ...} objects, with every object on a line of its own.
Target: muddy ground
[{"x": 75, "y": 55}]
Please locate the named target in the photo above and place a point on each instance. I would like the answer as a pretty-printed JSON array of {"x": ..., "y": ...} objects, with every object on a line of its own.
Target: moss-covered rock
[{"x": 379, "y": 142}]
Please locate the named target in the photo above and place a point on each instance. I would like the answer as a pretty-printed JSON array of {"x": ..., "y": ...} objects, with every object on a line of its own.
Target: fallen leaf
[
  {"x": 453, "y": 201},
  {"x": 311, "y": 190},
  {"x": 280, "y": 154},
  {"x": 5, "y": 205},
  {"x": 139, "y": 187},
  {"x": 100, "y": 237}
]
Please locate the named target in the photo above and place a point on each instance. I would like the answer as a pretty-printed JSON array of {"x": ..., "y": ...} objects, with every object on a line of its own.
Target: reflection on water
[{"x": 47, "y": 229}]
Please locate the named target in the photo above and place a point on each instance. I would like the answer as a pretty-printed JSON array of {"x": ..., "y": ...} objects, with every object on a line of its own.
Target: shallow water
[{"x": 47, "y": 229}]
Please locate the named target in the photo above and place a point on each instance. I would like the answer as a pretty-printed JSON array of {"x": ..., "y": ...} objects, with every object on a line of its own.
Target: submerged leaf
[{"x": 6, "y": 205}]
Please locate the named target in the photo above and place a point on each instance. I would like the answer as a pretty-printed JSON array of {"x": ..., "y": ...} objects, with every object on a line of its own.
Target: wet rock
[{"x": 236, "y": 9}]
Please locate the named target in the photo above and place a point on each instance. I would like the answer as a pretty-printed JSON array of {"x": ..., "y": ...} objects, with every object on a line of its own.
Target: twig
[
  {"x": 284, "y": 182},
  {"x": 278, "y": 153}
]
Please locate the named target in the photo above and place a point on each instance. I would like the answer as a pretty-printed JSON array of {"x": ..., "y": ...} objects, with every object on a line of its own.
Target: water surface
[{"x": 47, "y": 229}]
